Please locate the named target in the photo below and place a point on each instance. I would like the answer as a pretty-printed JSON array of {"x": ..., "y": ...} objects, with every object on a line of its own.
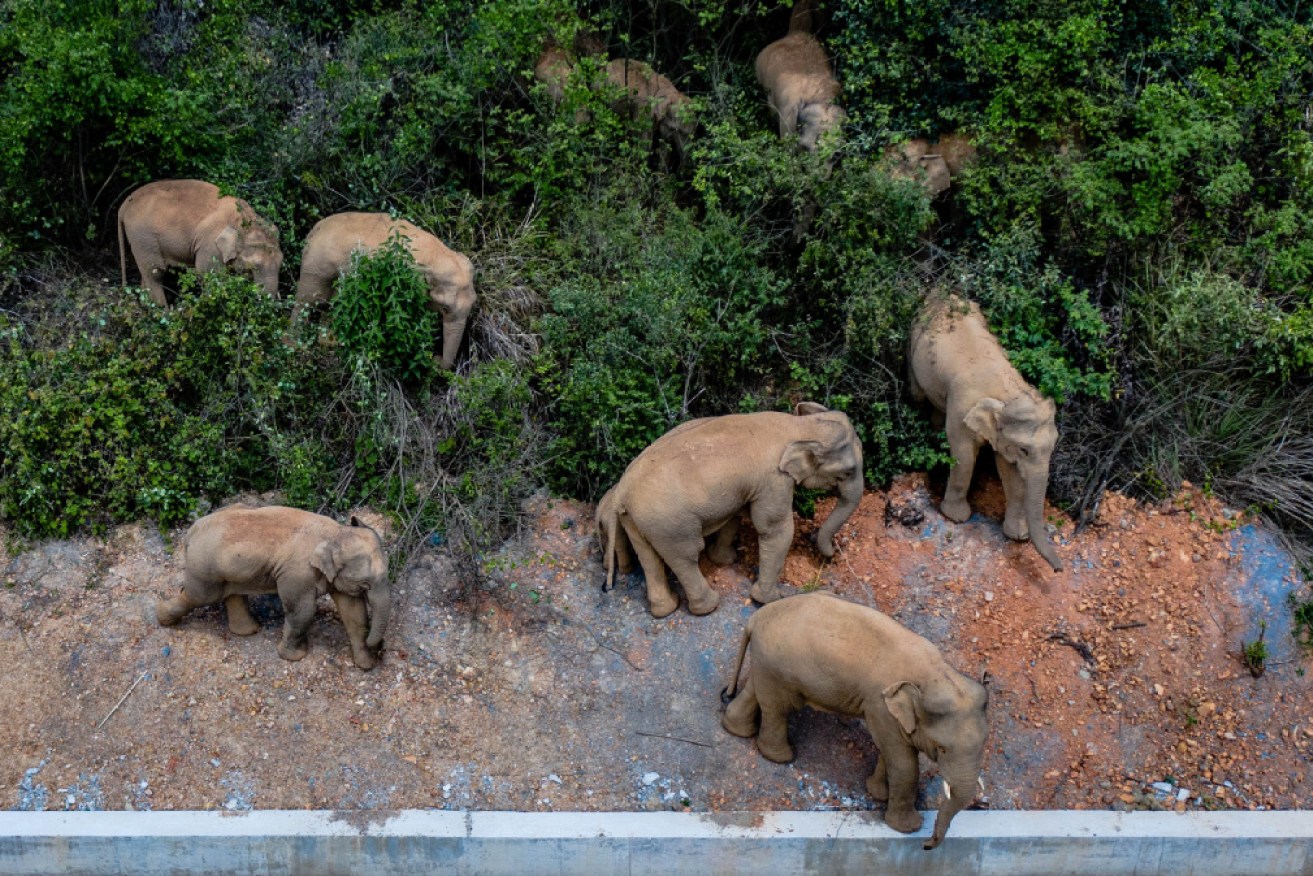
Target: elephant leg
[
  {"x": 169, "y": 611},
  {"x": 660, "y": 601},
  {"x": 1014, "y": 488},
  {"x": 352, "y": 611},
  {"x": 683, "y": 560},
  {"x": 743, "y": 715},
  {"x": 877, "y": 784},
  {"x": 624, "y": 556},
  {"x": 300, "y": 612},
  {"x": 721, "y": 550},
  {"x": 902, "y": 772},
  {"x": 773, "y": 737},
  {"x": 774, "y": 524},
  {"x": 240, "y": 621},
  {"x": 955, "y": 506}
]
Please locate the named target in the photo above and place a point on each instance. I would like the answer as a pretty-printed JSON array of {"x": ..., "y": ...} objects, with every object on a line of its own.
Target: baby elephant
[
  {"x": 818, "y": 650},
  {"x": 240, "y": 549}
]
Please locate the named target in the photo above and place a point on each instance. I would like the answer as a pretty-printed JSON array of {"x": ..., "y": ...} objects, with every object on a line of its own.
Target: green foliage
[{"x": 381, "y": 311}]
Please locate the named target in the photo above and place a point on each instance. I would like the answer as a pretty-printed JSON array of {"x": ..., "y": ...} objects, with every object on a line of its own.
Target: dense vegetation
[{"x": 1137, "y": 226}]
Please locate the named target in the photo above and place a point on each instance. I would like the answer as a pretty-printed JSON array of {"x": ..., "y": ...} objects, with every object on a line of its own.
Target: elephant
[
  {"x": 447, "y": 273},
  {"x": 649, "y": 94},
  {"x": 800, "y": 88},
  {"x": 934, "y": 165},
  {"x": 187, "y": 223},
  {"x": 818, "y": 650},
  {"x": 690, "y": 485},
  {"x": 958, "y": 365},
  {"x": 553, "y": 69},
  {"x": 241, "y": 549}
]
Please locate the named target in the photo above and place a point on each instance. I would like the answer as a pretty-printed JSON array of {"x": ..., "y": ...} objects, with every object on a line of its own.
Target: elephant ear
[
  {"x": 903, "y": 699},
  {"x": 799, "y": 460},
  {"x": 226, "y": 244},
  {"x": 327, "y": 558},
  {"x": 807, "y": 408},
  {"x": 983, "y": 418}
]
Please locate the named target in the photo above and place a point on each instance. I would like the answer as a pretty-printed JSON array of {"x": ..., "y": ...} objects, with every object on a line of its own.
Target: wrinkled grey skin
[
  {"x": 958, "y": 365},
  {"x": 186, "y": 223},
  {"x": 818, "y": 650},
  {"x": 241, "y": 550},
  {"x": 690, "y": 485},
  {"x": 448, "y": 274}
]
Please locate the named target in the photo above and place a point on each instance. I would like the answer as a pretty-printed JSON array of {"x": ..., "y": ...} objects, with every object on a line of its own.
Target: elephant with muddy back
[
  {"x": 448, "y": 274},
  {"x": 690, "y": 485},
  {"x": 958, "y": 365},
  {"x": 818, "y": 650},
  {"x": 187, "y": 223},
  {"x": 241, "y": 550},
  {"x": 799, "y": 82}
]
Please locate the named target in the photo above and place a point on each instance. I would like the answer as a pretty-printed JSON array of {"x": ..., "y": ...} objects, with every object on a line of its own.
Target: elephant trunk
[
  {"x": 453, "y": 331},
  {"x": 268, "y": 280},
  {"x": 380, "y": 609},
  {"x": 850, "y": 494},
  {"x": 1039, "y": 536},
  {"x": 959, "y": 790}
]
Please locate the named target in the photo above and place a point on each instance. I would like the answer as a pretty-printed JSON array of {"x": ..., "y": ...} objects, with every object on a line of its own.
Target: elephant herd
[
  {"x": 686, "y": 492},
  {"x": 187, "y": 223}
]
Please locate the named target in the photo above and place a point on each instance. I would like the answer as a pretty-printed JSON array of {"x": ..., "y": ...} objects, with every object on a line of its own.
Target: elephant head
[
  {"x": 251, "y": 247},
  {"x": 828, "y": 456},
  {"x": 451, "y": 293},
  {"x": 1023, "y": 432},
  {"x": 815, "y": 120},
  {"x": 354, "y": 563},
  {"x": 944, "y": 718}
]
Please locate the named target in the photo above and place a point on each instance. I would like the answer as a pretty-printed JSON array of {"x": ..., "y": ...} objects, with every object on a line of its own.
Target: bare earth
[{"x": 536, "y": 691}]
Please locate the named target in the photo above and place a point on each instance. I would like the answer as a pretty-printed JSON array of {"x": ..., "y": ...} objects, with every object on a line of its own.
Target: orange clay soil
[{"x": 530, "y": 689}]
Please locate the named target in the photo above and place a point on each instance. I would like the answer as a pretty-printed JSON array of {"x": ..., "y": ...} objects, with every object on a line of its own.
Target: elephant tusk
[{"x": 948, "y": 790}]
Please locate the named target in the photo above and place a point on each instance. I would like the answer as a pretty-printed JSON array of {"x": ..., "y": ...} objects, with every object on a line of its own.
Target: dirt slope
[{"x": 536, "y": 691}]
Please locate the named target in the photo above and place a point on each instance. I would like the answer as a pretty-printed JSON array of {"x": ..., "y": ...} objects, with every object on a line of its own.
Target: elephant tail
[
  {"x": 800, "y": 18},
  {"x": 728, "y": 692},
  {"x": 608, "y": 555},
  {"x": 123, "y": 258}
]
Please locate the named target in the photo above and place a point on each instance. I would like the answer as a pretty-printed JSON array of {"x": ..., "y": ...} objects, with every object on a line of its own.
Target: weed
[{"x": 1255, "y": 652}]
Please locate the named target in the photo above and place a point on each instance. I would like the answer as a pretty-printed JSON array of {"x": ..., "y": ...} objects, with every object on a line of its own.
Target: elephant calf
[
  {"x": 185, "y": 223},
  {"x": 958, "y": 365},
  {"x": 934, "y": 165},
  {"x": 692, "y": 483},
  {"x": 821, "y": 651},
  {"x": 240, "y": 550}
]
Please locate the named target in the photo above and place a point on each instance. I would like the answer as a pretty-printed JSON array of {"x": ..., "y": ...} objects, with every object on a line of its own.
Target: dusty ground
[{"x": 535, "y": 691}]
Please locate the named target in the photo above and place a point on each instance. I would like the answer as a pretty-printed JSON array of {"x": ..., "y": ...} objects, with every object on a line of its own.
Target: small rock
[
  {"x": 989, "y": 595},
  {"x": 1162, "y": 787},
  {"x": 650, "y": 778},
  {"x": 553, "y": 777}
]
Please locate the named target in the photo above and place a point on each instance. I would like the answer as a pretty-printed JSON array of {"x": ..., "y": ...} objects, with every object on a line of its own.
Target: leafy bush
[{"x": 381, "y": 311}]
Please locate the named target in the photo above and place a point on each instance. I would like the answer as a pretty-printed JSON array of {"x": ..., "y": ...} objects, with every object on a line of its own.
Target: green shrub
[{"x": 381, "y": 311}]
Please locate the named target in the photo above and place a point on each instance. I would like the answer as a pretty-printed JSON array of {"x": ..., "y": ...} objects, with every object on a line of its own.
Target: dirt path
[{"x": 536, "y": 691}]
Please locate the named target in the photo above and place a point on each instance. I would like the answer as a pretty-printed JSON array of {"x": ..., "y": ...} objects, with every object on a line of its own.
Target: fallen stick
[
  {"x": 122, "y": 699},
  {"x": 675, "y": 738},
  {"x": 1130, "y": 626}
]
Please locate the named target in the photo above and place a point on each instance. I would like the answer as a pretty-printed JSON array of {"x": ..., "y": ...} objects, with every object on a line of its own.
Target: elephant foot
[
  {"x": 167, "y": 613},
  {"x": 722, "y": 556},
  {"x": 956, "y": 510},
  {"x": 877, "y": 788},
  {"x": 777, "y": 753},
  {"x": 1016, "y": 529},
  {"x": 243, "y": 626},
  {"x": 361, "y": 657},
  {"x": 744, "y": 726},
  {"x": 903, "y": 820},
  {"x": 292, "y": 653},
  {"x": 704, "y": 604},
  {"x": 765, "y": 594},
  {"x": 661, "y": 606}
]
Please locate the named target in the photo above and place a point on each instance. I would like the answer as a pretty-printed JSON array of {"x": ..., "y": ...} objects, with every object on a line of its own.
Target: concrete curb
[{"x": 425, "y": 841}]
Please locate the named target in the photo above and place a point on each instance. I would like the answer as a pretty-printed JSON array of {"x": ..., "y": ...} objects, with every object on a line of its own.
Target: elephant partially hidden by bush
[
  {"x": 800, "y": 84},
  {"x": 934, "y": 165},
  {"x": 692, "y": 483},
  {"x": 958, "y": 365},
  {"x": 447, "y": 273},
  {"x": 240, "y": 550},
  {"x": 187, "y": 223},
  {"x": 818, "y": 650}
]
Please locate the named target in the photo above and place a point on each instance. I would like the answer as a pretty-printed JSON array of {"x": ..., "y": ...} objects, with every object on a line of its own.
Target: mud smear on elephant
[{"x": 529, "y": 689}]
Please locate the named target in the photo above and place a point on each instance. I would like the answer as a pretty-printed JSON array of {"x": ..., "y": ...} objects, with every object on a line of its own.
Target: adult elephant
[
  {"x": 239, "y": 550},
  {"x": 691, "y": 484},
  {"x": 800, "y": 88},
  {"x": 186, "y": 223},
  {"x": 958, "y": 365},
  {"x": 821, "y": 651},
  {"x": 649, "y": 95},
  {"x": 447, "y": 273}
]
